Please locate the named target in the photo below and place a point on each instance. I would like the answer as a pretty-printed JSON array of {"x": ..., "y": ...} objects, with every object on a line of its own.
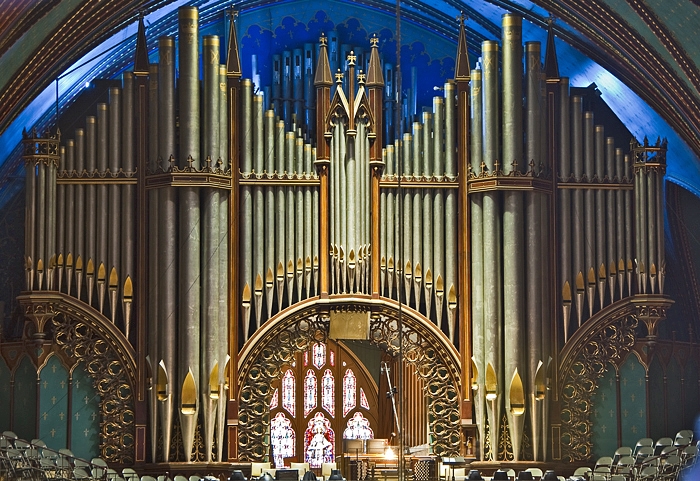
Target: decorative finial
[
  {"x": 374, "y": 41},
  {"x": 361, "y": 78},
  {"x": 550, "y": 20},
  {"x": 323, "y": 40},
  {"x": 351, "y": 58},
  {"x": 339, "y": 77},
  {"x": 462, "y": 18}
]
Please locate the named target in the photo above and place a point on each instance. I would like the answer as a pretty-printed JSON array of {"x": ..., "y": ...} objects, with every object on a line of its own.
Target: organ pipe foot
[
  {"x": 343, "y": 287},
  {"x": 391, "y": 272},
  {"x": 188, "y": 413},
  {"x": 269, "y": 288},
  {"x": 153, "y": 410},
  {"x": 166, "y": 408},
  {"x": 629, "y": 277},
  {"x": 566, "y": 306},
  {"x": 451, "y": 311},
  {"x": 258, "y": 296},
  {"x": 428, "y": 292},
  {"x": 407, "y": 282},
  {"x": 29, "y": 273},
  {"x": 351, "y": 271},
  {"x": 290, "y": 283},
  {"x": 299, "y": 278},
  {"x": 417, "y": 283},
  {"x": 307, "y": 277},
  {"x": 209, "y": 403},
  {"x": 537, "y": 398},
  {"x": 40, "y": 274},
  {"x": 439, "y": 299},
  {"x": 315, "y": 276},
  {"x": 245, "y": 308},
  {"x": 280, "y": 285},
  {"x": 90, "y": 280},
  {"x": 69, "y": 273},
  {"x": 662, "y": 277},
  {"x": 517, "y": 410},
  {"x": 621, "y": 277},
  {"x": 127, "y": 299},
  {"x": 101, "y": 281},
  {"x": 591, "y": 291},
  {"x": 60, "y": 272},
  {"x": 49, "y": 273},
  {"x": 652, "y": 278},
  {"x": 611, "y": 281},
  {"x": 601, "y": 285},
  {"x": 113, "y": 286},
  {"x": 220, "y": 422},
  {"x": 382, "y": 276},
  {"x": 79, "y": 277},
  {"x": 335, "y": 274}
]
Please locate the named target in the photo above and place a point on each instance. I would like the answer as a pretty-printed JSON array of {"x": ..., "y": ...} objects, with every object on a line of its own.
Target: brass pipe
[
  {"x": 80, "y": 221},
  {"x": 589, "y": 241},
  {"x": 417, "y": 216},
  {"x": 128, "y": 210},
  {"x": 611, "y": 217},
  {"x": 258, "y": 210},
  {"x": 103, "y": 208},
  {"x": 600, "y": 211},
  {"x": 114, "y": 193}
]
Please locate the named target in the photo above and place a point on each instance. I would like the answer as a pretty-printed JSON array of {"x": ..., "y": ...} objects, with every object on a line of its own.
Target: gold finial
[
  {"x": 361, "y": 78},
  {"x": 351, "y": 58},
  {"x": 374, "y": 41},
  {"x": 461, "y": 18},
  {"x": 339, "y": 77},
  {"x": 323, "y": 40}
]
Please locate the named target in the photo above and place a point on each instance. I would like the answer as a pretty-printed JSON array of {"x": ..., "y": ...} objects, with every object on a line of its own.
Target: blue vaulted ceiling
[{"x": 428, "y": 41}]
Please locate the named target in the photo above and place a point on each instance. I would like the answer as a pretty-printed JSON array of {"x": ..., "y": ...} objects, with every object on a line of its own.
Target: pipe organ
[{"x": 502, "y": 215}]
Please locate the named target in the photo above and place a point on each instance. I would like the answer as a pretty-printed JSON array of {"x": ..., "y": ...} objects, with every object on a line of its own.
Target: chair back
[{"x": 326, "y": 469}]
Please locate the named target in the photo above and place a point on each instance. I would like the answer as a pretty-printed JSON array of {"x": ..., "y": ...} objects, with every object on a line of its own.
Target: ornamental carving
[{"x": 607, "y": 345}]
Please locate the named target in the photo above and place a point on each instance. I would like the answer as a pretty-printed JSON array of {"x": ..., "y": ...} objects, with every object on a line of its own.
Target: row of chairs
[{"x": 663, "y": 460}]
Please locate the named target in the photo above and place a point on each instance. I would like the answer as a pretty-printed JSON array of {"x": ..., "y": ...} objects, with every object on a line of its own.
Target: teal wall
[
  {"x": 657, "y": 422},
  {"x": 53, "y": 404},
  {"x": 633, "y": 401},
  {"x": 25, "y": 400},
  {"x": 604, "y": 405},
  {"x": 674, "y": 399},
  {"x": 85, "y": 441}
]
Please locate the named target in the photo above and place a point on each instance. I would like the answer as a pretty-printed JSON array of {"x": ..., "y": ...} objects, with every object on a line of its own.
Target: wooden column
[
  {"x": 375, "y": 87},
  {"x": 233, "y": 86},
  {"x": 323, "y": 82},
  {"x": 462, "y": 78}
]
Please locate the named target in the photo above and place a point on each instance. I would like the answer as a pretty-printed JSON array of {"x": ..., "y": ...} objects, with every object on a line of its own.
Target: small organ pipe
[
  {"x": 417, "y": 213},
  {"x": 258, "y": 210},
  {"x": 61, "y": 251},
  {"x": 600, "y": 210},
  {"x": 246, "y": 201},
  {"x": 80, "y": 202},
  {"x": 281, "y": 214},
  {"x": 428, "y": 170},
  {"x": 128, "y": 211},
  {"x": 299, "y": 222},
  {"x": 439, "y": 208},
  {"x": 30, "y": 217},
  {"x": 577, "y": 201},
  {"x": 566, "y": 273},
  {"x": 450, "y": 286},
  {"x": 315, "y": 229},
  {"x": 309, "y": 213},
  {"x": 287, "y": 89},
  {"x": 71, "y": 216},
  {"x": 288, "y": 152},
  {"x": 650, "y": 206},
  {"x": 628, "y": 224},
  {"x": 270, "y": 203},
  {"x": 40, "y": 222},
  {"x": 611, "y": 217},
  {"x": 620, "y": 222},
  {"x": 407, "y": 221},
  {"x": 642, "y": 229},
  {"x": 90, "y": 195},
  {"x": 389, "y": 225}
]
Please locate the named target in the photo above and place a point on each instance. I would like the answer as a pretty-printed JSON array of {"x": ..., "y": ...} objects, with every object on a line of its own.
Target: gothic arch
[{"x": 295, "y": 329}]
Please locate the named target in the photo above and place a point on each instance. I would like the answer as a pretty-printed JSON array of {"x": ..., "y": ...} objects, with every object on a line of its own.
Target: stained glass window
[
  {"x": 310, "y": 390},
  {"x": 282, "y": 439},
  {"x": 328, "y": 393},
  {"x": 332, "y": 356},
  {"x": 363, "y": 399},
  {"x": 319, "y": 355},
  {"x": 275, "y": 400},
  {"x": 288, "y": 385},
  {"x": 319, "y": 441},
  {"x": 358, "y": 428},
  {"x": 349, "y": 392},
  {"x": 306, "y": 358}
]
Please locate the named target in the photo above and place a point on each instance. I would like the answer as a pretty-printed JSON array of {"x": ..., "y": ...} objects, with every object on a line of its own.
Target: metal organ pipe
[
  {"x": 79, "y": 239},
  {"x": 566, "y": 272},
  {"x": 114, "y": 195}
]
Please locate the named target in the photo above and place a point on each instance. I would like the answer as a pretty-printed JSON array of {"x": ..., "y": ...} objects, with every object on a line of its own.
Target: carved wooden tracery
[{"x": 87, "y": 336}]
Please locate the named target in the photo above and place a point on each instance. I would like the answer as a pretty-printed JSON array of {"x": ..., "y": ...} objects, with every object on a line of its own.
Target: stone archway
[{"x": 424, "y": 347}]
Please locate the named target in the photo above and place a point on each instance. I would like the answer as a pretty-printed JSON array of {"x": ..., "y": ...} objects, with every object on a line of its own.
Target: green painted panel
[
  {"x": 633, "y": 401},
  {"x": 53, "y": 404},
  {"x": 604, "y": 431},
  {"x": 85, "y": 440},
  {"x": 692, "y": 394},
  {"x": 24, "y": 419},
  {"x": 675, "y": 400},
  {"x": 4, "y": 396},
  {"x": 656, "y": 400}
]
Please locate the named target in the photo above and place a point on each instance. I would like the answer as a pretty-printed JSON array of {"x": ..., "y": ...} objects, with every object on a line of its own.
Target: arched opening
[{"x": 295, "y": 378}]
